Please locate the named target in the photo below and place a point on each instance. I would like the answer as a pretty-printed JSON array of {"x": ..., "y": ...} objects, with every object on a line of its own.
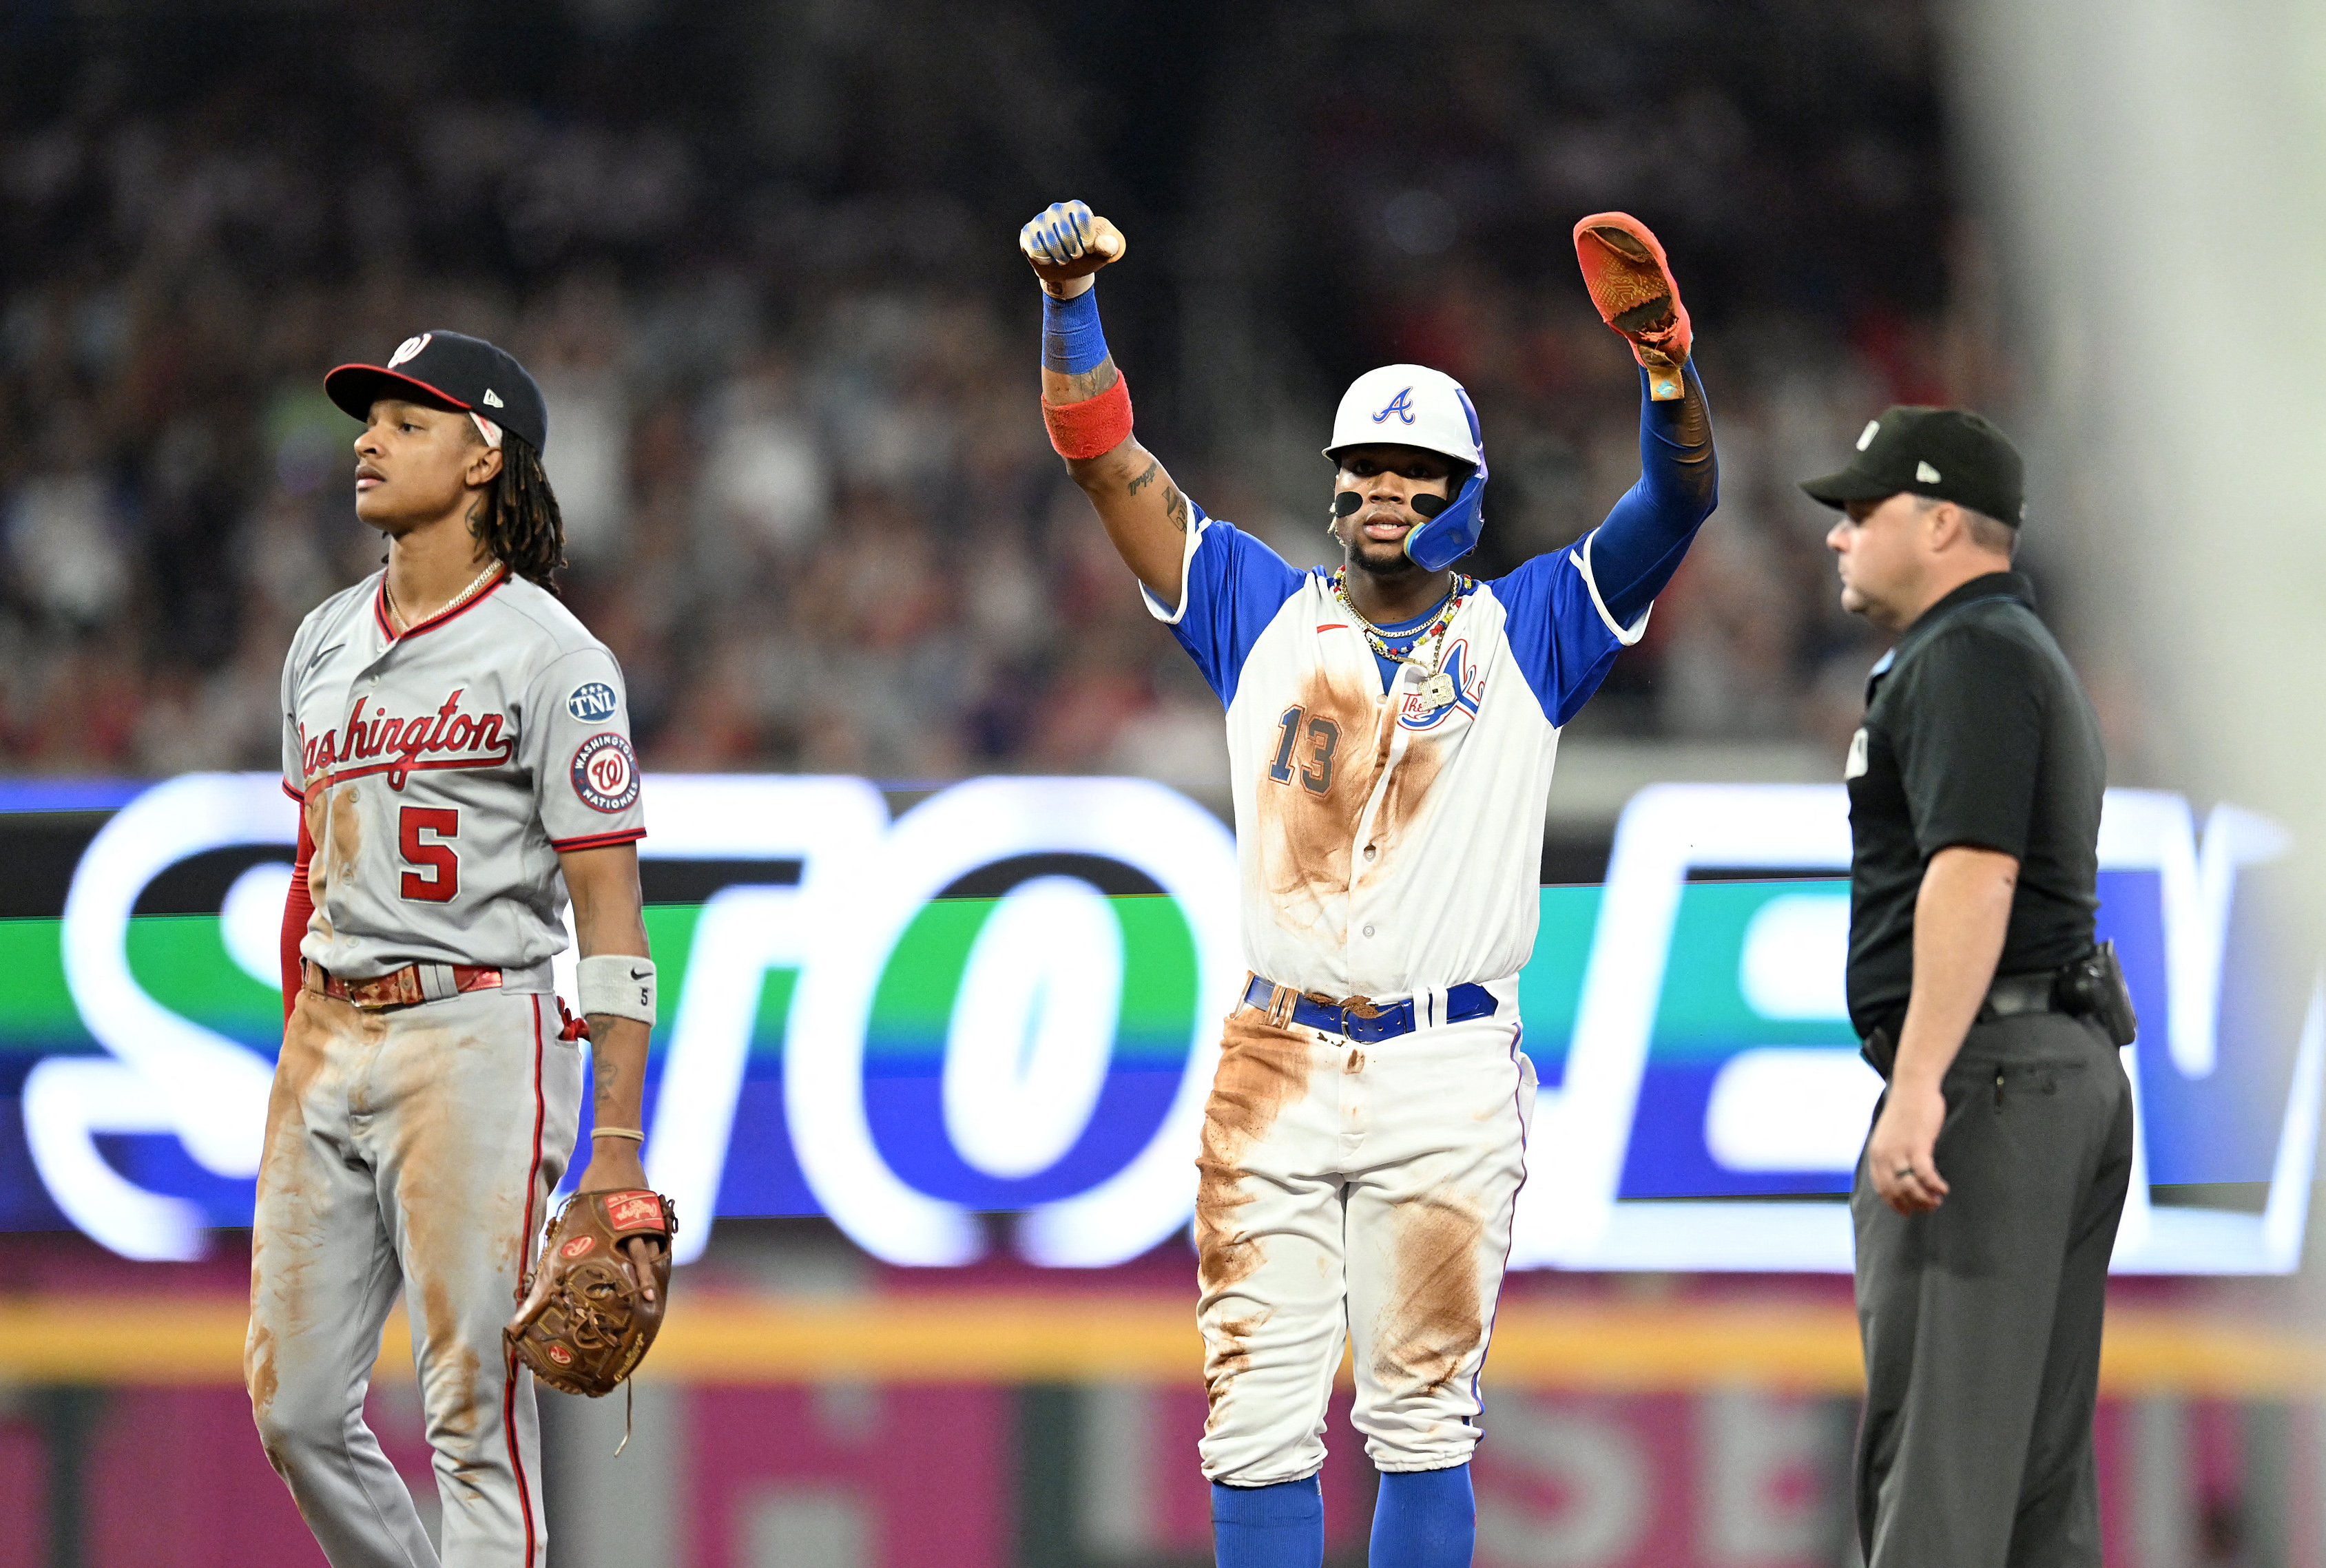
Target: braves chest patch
[
  {"x": 1451, "y": 696},
  {"x": 605, "y": 773}
]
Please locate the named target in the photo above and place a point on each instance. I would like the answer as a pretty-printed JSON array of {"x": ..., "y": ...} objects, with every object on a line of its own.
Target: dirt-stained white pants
[
  {"x": 410, "y": 1148},
  {"x": 1361, "y": 1190}
]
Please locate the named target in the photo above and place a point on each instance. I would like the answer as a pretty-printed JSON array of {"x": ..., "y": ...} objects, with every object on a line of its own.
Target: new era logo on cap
[
  {"x": 492, "y": 398},
  {"x": 1948, "y": 454}
]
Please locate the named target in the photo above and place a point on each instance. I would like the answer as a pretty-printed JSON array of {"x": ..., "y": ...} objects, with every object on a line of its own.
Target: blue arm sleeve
[
  {"x": 1231, "y": 588},
  {"x": 1634, "y": 553},
  {"x": 1562, "y": 641}
]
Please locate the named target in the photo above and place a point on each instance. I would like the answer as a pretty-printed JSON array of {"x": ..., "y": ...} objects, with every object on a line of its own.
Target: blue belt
[{"x": 1358, "y": 1018}]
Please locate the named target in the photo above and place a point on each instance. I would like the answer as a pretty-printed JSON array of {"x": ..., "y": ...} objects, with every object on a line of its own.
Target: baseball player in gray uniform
[{"x": 458, "y": 744}]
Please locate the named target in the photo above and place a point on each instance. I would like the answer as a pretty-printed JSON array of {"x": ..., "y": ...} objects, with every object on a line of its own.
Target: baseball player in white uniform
[
  {"x": 1391, "y": 724},
  {"x": 459, "y": 744}
]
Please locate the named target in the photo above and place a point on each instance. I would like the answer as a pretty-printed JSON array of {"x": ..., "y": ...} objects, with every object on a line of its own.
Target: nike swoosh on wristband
[{"x": 640, "y": 974}]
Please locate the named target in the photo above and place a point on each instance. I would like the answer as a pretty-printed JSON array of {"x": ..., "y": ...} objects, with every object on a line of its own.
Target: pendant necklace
[{"x": 1434, "y": 685}]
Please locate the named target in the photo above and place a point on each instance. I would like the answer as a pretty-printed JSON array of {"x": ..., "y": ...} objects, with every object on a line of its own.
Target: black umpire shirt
[{"x": 1976, "y": 733}]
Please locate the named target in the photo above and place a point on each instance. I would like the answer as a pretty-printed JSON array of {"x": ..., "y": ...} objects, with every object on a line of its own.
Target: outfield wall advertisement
[{"x": 908, "y": 1014}]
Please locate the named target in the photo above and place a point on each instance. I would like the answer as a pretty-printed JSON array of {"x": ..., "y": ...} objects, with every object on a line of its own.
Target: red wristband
[{"x": 1092, "y": 427}]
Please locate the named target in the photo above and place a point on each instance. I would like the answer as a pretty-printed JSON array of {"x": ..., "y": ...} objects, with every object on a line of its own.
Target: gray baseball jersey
[{"x": 442, "y": 771}]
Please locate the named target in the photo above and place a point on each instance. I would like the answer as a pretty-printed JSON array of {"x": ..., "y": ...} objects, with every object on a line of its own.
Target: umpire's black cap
[
  {"x": 1949, "y": 454},
  {"x": 454, "y": 369}
]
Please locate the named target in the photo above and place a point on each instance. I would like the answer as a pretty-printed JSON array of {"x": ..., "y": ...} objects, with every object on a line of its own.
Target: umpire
[{"x": 1986, "y": 1200}]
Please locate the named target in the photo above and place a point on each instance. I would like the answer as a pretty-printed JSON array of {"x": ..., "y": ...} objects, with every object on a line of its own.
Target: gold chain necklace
[
  {"x": 455, "y": 602},
  {"x": 1435, "y": 687}
]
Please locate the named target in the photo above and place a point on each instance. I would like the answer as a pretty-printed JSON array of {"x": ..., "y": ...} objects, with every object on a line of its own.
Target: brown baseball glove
[{"x": 597, "y": 1296}]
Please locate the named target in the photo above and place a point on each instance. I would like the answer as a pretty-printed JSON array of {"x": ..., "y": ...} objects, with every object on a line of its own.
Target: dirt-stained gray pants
[
  {"x": 1981, "y": 1320},
  {"x": 411, "y": 1148}
]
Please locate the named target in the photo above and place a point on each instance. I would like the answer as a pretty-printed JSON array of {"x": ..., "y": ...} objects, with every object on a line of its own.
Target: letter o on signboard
[
  {"x": 1040, "y": 984},
  {"x": 1162, "y": 835}
]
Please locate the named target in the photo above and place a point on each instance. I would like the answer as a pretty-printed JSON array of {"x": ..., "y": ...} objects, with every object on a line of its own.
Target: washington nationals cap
[
  {"x": 454, "y": 369},
  {"x": 1949, "y": 454}
]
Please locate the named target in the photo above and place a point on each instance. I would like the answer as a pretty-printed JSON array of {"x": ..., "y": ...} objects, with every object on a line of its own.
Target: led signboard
[{"x": 1004, "y": 999}]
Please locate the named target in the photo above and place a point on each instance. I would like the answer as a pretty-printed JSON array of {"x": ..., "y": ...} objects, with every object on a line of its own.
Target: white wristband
[{"x": 619, "y": 984}]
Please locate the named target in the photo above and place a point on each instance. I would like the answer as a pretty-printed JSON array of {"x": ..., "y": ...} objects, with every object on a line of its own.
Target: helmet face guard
[{"x": 1452, "y": 534}]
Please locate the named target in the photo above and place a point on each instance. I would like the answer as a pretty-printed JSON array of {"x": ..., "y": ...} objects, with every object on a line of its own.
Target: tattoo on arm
[
  {"x": 608, "y": 1078},
  {"x": 1084, "y": 385},
  {"x": 1176, "y": 506},
  {"x": 1154, "y": 467}
]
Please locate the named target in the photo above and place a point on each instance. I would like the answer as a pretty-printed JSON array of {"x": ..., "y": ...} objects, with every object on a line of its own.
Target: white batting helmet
[
  {"x": 1412, "y": 406},
  {"x": 1408, "y": 405}
]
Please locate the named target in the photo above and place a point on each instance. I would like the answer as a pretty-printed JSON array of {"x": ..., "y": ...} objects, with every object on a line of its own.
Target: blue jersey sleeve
[
  {"x": 1559, "y": 631},
  {"x": 1230, "y": 587},
  {"x": 1634, "y": 553}
]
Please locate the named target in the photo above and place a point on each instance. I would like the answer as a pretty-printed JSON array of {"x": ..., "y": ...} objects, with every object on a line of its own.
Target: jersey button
[
  {"x": 1368, "y": 931},
  {"x": 1369, "y": 852}
]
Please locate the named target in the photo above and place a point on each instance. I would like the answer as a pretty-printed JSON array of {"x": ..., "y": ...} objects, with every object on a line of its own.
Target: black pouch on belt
[
  {"x": 1880, "y": 1050},
  {"x": 2093, "y": 987}
]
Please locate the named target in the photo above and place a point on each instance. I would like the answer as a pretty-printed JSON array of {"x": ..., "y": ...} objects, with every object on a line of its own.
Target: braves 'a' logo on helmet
[{"x": 1400, "y": 406}]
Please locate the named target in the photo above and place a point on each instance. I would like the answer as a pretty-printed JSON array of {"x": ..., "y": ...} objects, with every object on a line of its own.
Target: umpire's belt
[
  {"x": 2011, "y": 996},
  {"x": 1362, "y": 1018}
]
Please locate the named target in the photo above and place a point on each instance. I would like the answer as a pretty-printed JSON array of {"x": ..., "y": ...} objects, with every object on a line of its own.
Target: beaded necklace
[{"x": 1435, "y": 687}]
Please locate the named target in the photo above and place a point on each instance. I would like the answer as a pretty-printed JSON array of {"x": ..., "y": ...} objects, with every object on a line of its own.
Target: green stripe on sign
[
  {"x": 1703, "y": 1012},
  {"x": 37, "y": 1003},
  {"x": 1159, "y": 982},
  {"x": 1550, "y": 987},
  {"x": 181, "y": 962}
]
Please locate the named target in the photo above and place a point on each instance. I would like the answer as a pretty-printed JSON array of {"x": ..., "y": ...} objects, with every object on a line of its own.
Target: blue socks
[
  {"x": 1425, "y": 1518},
  {"x": 1278, "y": 1527}
]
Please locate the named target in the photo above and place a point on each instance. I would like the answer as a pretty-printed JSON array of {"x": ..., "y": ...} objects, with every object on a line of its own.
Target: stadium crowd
[{"x": 808, "y": 497}]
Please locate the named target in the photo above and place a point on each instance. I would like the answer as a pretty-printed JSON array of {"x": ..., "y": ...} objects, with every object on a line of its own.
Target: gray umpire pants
[{"x": 1981, "y": 1320}]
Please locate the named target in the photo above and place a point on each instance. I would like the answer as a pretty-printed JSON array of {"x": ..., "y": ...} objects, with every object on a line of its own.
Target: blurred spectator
[
  {"x": 764, "y": 483},
  {"x": 789, "y": 354},
  {"x": 64, "y": 539}
]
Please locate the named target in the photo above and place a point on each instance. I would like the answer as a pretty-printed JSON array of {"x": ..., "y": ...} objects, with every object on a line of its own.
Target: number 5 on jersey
[{"x": 440, "y": 822}]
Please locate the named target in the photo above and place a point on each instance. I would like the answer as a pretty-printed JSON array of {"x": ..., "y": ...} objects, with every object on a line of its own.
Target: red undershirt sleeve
[{"x": 298, "y": 908}]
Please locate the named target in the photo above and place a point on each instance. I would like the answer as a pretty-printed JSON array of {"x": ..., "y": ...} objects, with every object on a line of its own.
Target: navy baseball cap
[
  {"x": 1949, "y": 454},
  {"x": 453, "y": 369}
]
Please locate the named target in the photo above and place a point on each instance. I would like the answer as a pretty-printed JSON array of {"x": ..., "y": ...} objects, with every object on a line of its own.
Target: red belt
[{"x": 404, "y": 987}]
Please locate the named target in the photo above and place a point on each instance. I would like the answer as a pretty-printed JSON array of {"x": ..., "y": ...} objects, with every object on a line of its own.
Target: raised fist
[{"x": 1067, "y": 242}]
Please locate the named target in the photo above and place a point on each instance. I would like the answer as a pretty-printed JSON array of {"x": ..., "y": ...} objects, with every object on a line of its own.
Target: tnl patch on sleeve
[{"x": 592, "y": 703}]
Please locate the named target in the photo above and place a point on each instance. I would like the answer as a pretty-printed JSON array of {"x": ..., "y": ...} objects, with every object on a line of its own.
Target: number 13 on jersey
[{"x": 1323, "y": 736}]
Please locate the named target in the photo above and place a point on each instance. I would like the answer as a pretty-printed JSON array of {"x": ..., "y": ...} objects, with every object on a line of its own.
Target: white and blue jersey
[{"x": 1386, "y": 848}]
